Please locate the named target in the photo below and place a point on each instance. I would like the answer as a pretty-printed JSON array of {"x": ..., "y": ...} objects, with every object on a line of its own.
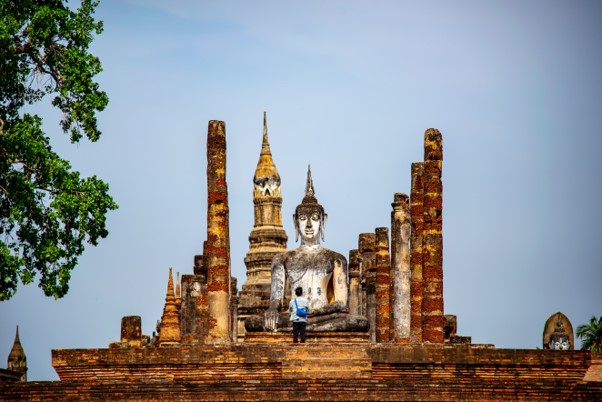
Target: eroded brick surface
[
  {"x": 284, "y": 372},
  {"x": 217, "y": 248}
]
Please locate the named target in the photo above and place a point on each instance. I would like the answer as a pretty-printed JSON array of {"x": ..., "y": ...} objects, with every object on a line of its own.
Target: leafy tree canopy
[
  {"x": 47, "y": 211},
  {"x": 591, "y": 335}
]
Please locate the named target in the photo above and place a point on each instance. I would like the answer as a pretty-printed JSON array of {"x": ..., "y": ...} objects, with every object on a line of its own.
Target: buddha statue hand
[
  {"x": 333, "y": 307},
  {"x": 271, "y": 317}
]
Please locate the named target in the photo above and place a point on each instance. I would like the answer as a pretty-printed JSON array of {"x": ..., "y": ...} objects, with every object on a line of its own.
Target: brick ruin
[
  {"x": 397, "y": 286},
  {"x": 16, "y": 368},
  {"x": 267, "y": 238},
  {"x": 411, "y": 353},
  {"x": 401, "y": 290}
]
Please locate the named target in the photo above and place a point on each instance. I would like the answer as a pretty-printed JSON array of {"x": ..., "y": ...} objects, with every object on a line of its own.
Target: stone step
[{"x": 335, "y": 361}]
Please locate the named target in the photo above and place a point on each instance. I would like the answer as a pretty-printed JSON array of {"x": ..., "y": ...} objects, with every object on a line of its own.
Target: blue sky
[{"x": 349, "y": 87}]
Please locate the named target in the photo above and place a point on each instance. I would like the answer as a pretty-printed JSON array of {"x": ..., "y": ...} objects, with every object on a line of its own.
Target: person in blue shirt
[{"x": 299, "y": 323}]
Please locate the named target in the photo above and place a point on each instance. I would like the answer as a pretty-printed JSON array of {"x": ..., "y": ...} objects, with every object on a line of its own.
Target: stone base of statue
[
  {"x": 284, "y": 336},
  {"x": 335, "y": 322}
]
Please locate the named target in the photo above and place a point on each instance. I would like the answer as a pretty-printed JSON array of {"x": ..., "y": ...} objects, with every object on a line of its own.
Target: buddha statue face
[
  {"x": 309, "y": 226},
  {"x": 559, "y": 343}
]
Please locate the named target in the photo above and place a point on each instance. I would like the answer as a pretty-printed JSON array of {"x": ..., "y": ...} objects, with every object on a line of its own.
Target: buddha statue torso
[{"x": 322, "y": 273}]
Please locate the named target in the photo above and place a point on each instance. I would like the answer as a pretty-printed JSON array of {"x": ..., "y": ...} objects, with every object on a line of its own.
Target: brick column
[
  {"x": 234, "y": 309},
  {"x": 367, "y": 244},
  {"x": 383, "y": 284},
  {"x": 194, "y": 309},
  {"x": 131, "y": 332},
  {"x": 354, "y": 283},
  {"x": 432, "y": 240},
  {"x": 416, "y": 219},
  {"x": 400, "y": 269},
  {"x": 217, "y": 251}
]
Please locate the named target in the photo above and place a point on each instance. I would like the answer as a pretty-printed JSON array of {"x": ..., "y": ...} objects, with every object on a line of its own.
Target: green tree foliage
[
  {"x": 47, "y": 211},
  {"x": 591, "y": 335}
]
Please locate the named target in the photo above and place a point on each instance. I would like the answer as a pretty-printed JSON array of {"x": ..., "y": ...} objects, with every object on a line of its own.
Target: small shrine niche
[{"x": 558, "y": 333}]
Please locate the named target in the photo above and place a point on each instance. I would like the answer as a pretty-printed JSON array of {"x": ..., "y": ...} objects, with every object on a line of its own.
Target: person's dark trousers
[{"x": 299, "y": 331}]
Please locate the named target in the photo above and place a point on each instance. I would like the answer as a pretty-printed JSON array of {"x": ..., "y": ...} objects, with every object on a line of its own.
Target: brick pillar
[
  {"x": 367, "y": 244},
  {"x": 355, "y": 300},
  {"x": 383, "y": 284},
  {"x": 194, "y": 308},
  {"x": 169, "y": 332},
  {"x": 416, "y": 221},
  {"x": 131, "y": 330},
  {"x": 433, "y": 319},
  {"x": 234, "y": 309},
  {"x": 217, "y": 253},
  {"x": 400, "y": 269}
]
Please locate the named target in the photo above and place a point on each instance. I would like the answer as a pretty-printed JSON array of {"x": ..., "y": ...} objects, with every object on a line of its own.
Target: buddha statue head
[{"x": 309, "y": 217}]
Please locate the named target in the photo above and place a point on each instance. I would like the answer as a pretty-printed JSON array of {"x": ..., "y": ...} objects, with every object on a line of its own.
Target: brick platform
[{"x": 288, "y": 372}]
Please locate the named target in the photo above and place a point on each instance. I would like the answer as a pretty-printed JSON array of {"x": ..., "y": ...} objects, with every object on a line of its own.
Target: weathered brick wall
[{"x": 284, "y": 372}]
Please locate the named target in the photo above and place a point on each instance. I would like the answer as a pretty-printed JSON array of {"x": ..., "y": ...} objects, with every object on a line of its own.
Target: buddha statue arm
[
  {"x": 276, "y": 293},
  {"x": 339, "y": 281},
  {"x": 341, "y": 285}
]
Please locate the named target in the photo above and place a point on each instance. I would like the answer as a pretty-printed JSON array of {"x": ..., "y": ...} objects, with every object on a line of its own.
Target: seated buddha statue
[{"x": 320, "y": 272}]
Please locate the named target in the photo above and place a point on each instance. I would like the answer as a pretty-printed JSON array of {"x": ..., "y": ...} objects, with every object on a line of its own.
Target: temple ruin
[{"x": 394, "y": 282}]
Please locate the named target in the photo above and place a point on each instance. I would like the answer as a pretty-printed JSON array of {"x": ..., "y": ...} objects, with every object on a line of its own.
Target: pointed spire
[
  {"x": 178, "y": 289},
  {"x": 17, "y": 351},
  {"x": 17, "y": 361},
  {"x": 266, "y": 178},
  {"x": 310, "y": 193},
  {"x": 170, "y": 292},
  {"x": 265, "y": 146},
  {"x": 309, "y": 186},
  {"x": 169, "y": 330},
  {"x": 309, "y": 200}
]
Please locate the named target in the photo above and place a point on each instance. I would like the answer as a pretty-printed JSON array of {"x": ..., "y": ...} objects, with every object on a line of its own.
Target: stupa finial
[
  {"x": 170, "y": 292},
  {"x": 309, "y": 202},
  {"x": 265, "y": 146},
  {"x": 309, "y": 187}
]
